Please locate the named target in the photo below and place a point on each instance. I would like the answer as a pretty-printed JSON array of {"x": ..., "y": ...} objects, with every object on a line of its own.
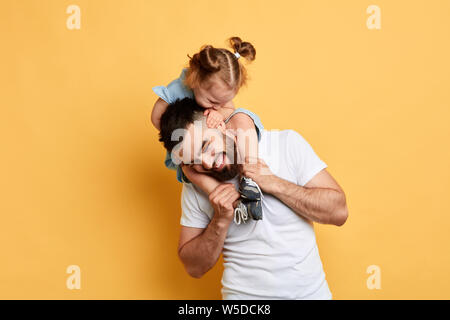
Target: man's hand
[
  {"x": 258, "y": 171},
  {"x": 222, "y": 200},
  {"x": 214, "y": 119}
]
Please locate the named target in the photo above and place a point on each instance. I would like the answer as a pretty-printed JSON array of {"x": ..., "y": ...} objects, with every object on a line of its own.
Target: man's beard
[
  {"x": 230, "y": 170},
  {"x": 227, "y": 173}
]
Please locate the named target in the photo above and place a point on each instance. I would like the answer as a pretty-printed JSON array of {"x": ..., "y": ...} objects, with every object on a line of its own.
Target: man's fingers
[
  {"x": 219, "y": 189},
  {"x": 228, "y": 200},
  {"x": 248, "y": 170},
  {"x": 225, "y": 199},
  {"x": 218, "y": 199},
  {"x": 250, "y": 175},
  {"x": 233, "y": 197},
  {"x": 227, "y": 195},
  {"x": 251, "y": 159},
  {"x": 262, "y": 161}
]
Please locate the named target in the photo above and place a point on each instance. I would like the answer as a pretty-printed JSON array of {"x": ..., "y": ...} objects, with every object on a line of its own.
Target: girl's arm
[{"x": 158, "y": 109}]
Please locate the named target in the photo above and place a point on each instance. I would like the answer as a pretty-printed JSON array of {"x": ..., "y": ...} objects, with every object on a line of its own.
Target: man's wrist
[
  {"x": 221, "y": 224},
  {"x": 275, "y": 186}
]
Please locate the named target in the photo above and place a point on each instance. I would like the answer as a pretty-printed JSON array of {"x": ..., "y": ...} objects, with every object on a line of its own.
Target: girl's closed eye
[{"x": 213, "y": 104}]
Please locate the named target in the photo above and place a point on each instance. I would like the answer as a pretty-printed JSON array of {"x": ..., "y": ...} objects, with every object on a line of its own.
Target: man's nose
[{"x": 208, "y": 161}]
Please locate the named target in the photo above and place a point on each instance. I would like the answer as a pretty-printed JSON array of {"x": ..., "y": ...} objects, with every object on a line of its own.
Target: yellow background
[{"x": 82, "y": 179}]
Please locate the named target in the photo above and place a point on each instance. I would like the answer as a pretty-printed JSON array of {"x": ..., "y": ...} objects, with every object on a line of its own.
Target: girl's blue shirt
[{"x": 174, "y": 90}]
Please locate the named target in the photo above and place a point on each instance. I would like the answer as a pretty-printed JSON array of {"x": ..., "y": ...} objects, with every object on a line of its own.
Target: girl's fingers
[
  {"x": 222, "y": 125},
  {"x": 212, "y": 122}
]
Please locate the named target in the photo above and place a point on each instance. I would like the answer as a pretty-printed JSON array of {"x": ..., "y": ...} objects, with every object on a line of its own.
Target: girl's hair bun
[
  {"x": 208, "y": 59},
  {"x": 245, "y": 49}
]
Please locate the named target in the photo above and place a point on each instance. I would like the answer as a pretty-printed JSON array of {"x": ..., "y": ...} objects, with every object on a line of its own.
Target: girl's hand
[{"x": 214, "y": 118}]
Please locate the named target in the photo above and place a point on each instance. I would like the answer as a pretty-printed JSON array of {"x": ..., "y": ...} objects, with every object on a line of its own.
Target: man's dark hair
[{"x": 178, "y": 115}]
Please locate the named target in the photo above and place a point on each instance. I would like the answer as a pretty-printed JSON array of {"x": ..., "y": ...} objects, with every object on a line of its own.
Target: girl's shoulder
[
  {"x": 241, "y": 113},
  {"x": 175, "y": 90},
  {"x": 240, "y": 117}
]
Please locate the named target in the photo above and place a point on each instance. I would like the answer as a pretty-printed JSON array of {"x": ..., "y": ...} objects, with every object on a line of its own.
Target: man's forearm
[
  {"x": 322, "y": 205},
  {"x": 200, "y": 254}
]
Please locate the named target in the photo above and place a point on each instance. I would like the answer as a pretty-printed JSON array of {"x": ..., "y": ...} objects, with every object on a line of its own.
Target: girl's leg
[
  {"x": 246, "y": 138},
  {"x": 206, "y": 183},
  {"x": 247, "y": 149}
]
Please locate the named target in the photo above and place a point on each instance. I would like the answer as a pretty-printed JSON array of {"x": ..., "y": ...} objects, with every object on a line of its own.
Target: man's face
[{"x": 209, "y": 151}]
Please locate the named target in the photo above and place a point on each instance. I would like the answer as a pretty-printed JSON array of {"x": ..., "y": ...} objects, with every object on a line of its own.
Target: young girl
[{"x": 213, "y": 78}]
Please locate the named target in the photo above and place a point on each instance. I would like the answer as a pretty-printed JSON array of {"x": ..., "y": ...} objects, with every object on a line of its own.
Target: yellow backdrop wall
[{"x": 82, "y": 180}]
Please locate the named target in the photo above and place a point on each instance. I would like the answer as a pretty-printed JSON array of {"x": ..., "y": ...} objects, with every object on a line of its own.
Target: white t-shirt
[{"x": 276, "y": 257}]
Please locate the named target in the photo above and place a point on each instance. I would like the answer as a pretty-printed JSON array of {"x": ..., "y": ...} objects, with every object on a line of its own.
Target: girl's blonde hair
[{"x": 223, "y": 62}]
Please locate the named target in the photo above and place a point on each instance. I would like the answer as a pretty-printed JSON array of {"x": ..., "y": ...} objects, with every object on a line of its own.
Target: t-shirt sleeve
[
  {"x": 192, "y": 213},
  {"x": 176, "y": 90},
  {"x": 306, "y": 162}
]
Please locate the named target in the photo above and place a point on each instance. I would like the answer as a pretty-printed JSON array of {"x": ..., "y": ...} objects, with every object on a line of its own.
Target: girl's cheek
[
  {"x": 203, "y": 103},
  {"x": 206, "y": 105},
  {"x": 199, "y": 102}
]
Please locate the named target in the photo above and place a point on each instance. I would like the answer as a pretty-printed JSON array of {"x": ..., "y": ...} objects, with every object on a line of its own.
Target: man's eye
[
  {"x": 205, "y": 147},
  {"x": 208, "y": 148}
]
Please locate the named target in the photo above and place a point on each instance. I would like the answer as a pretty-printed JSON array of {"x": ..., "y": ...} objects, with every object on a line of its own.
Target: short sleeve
[
  {"x": 193, "y": 208},
  {"x": 256, "y": 120},
  {"x": 176, "y": 90},
  {"x": 306, "y": 162}
]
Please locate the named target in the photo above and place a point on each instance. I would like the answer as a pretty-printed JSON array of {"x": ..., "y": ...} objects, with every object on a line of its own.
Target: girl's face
[{"x": 213, "y": 93}]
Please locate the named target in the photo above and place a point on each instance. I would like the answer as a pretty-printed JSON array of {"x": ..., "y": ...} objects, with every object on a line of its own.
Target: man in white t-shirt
[{"x": 273, "y": 258}]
